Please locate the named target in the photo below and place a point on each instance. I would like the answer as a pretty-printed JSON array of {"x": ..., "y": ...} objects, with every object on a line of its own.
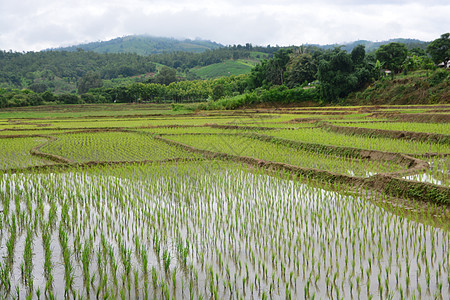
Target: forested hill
[
  {"x": 147, "y": 45},
  {"x": 64, "y": 71},
  {"x": 61, "y": 71},
  {"x": 372, "y": 46},
  {"x": 144, "y": 45}
]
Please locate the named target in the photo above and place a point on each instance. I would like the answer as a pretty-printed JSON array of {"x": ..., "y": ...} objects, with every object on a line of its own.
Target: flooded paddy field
[
  {"x": 223, "y": 206},
  {"x": 206, "y": 230}
]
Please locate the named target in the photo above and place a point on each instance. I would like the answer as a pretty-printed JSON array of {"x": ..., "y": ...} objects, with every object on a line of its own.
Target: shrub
[{"x": 438, "y": 77}]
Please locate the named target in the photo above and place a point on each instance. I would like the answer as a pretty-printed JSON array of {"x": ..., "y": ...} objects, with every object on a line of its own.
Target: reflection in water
[{"x": 205, "y": 229}]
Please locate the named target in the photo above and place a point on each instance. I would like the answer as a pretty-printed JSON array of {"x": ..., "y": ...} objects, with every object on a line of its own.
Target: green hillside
[
  {"x": 226, "y": 68},
  {"x": 420, "y": 87},
  {"x": 145, "y": 45},
  {"x": 372, "y": 46}
]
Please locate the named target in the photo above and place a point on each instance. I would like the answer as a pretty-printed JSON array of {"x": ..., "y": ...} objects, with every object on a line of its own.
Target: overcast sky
[{"x": 31, "y": 25}]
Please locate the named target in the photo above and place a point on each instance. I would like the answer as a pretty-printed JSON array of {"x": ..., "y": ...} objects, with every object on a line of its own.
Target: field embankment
[
  {"x": 224, "y": 204},
  {"x": 421, "y": 87}
]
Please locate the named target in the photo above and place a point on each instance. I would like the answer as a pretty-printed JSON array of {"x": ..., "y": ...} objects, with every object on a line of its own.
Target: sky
[{"x": 33, "y": 25}]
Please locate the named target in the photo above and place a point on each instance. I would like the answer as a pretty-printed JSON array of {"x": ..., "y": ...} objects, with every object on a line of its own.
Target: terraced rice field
[
  {"x": 244, "y": 146},
  {"x": 323, "y": 136},
  {"x": 440, "y": 128},
  {"x": 15, "y": 152},
  {"x": 263, "y": 206},
  {"x": 112, "y": 146}
]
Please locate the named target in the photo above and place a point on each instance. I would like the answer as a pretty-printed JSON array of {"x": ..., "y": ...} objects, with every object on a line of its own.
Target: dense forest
[
  {"x": 39, "y": 71},
  {"x": 56, "y": 70},
  {"x": 289, "y": 73},
  {"x": 145, "y": 45}
]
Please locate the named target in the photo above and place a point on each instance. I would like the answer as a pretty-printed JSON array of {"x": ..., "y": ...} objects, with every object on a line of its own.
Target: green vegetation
[
  {"x": 15, "y": 152},
  {"x": 277, "y": 95},
  {"x": 439, "y": 49},
  {"x": 111, "y": 146},
  {"x": 59, "y": 71},
  {"x": 392, "y": 56},
  {"x": 438, "y": 173},
  {"x": 319, "y": 136},
  {"x": 244, "y": 146},
  {"x": 145, "y": 45},
  {"x": 85, "y": 110},
  {"x": 226, "y": 68},
  {"x": 62, "y": 72},
  {"x": 251, "y": 193},
  {"x": 439, "y": 128},
  {"x": 146, "y": 212},
  {"x": 56, "y": 77},
  {"x": 420, "y": 87},
  {"x": 150, "y": 218},
  {"x": 340, "y": 73}
]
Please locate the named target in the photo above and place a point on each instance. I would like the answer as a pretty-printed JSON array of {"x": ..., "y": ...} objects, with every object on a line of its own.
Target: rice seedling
[
  {"x": 440, "y": 128},
  {"x": 112, "y": 146},
  {"x": 216, "y": 229},
  {"x": 438, "y": 172},
  {"x": 15, "y": 152},
  {"x": 321, "y": 136},
  {"x": 243, "y": 146},
  {"x": 212, "y": 240}
]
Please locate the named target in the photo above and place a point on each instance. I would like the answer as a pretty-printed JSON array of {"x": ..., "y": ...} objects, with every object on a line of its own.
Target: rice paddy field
[{"x": 146, "y": 203}]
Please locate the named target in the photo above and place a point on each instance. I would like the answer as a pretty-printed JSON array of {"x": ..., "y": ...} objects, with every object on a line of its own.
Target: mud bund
[
  {"x": 387, "y": 183},
  {"x": 395, "y": 134}
]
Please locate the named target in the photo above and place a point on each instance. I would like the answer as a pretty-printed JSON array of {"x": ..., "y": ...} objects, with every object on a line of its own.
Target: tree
[
  {"x": 364, "y": 66},
  {"x": 38, "y": 87},
  {"x": 301, "y": 68},
  {"x": 358, "y": 54},
  {"x": 257, "y": 75},
  {"x": 89, "y": 81},
  {"x": 392, "y": 56},
  {"x": 276, "y": 67},
  {"x": 166, "y": 76},
  {"x": 336, "y": 75},
  {"x": 68, "y": 98},
  {"x": 439, "y": 49},
  {"x": 3, "y": 101},
  {"x": 48, "y": 96},
  {"x": 218, "y": 91}
]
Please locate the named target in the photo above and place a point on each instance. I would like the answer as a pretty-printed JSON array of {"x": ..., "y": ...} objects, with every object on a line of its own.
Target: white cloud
[{"x": 37, "y": 24}]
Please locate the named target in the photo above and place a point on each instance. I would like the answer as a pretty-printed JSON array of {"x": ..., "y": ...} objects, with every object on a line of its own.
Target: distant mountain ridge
[
  {"x": 147, "y": 45},
  {"x": 372, "y": 46},
  {"x": 144, "y": 45}
]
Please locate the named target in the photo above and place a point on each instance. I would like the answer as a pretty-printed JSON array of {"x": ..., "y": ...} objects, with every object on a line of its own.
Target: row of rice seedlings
[
  {"x": 275, "y": 117},
  {"x": 181, "y": 130},
  {"x": 243, "y": 146},
  {"x": 136, "y": 122},
  {"x": 29, "y": 132},
  {"x": 278, "y": 125},
  {"x": 142, "y": 117},
  {"x": 112, "y": 146},
  {"x": 85, "y": 111},
  {"x": 438, "y": 173},
  {"x": 15, "y": 152},
  {"x": 320, "y": 136},
  {"x": 440, "y": 128},
  {"x": 18, "y": 126},
  {"x": 212, "y": 230},
  {"x": 27, "y": 265}
]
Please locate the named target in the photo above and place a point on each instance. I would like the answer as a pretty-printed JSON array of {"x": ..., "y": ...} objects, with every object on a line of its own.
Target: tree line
[
  {"x": 337, "y": 72},
  {"x": 332, "y": 73},
  {"x": 62, "y": 71}
]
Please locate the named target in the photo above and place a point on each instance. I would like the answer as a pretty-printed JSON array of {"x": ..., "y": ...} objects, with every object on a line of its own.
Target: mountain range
[
  {"x": 147, "y": 45},
  {"x": 372, "y": 46},
  {"x": 144, "y": 45}
]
